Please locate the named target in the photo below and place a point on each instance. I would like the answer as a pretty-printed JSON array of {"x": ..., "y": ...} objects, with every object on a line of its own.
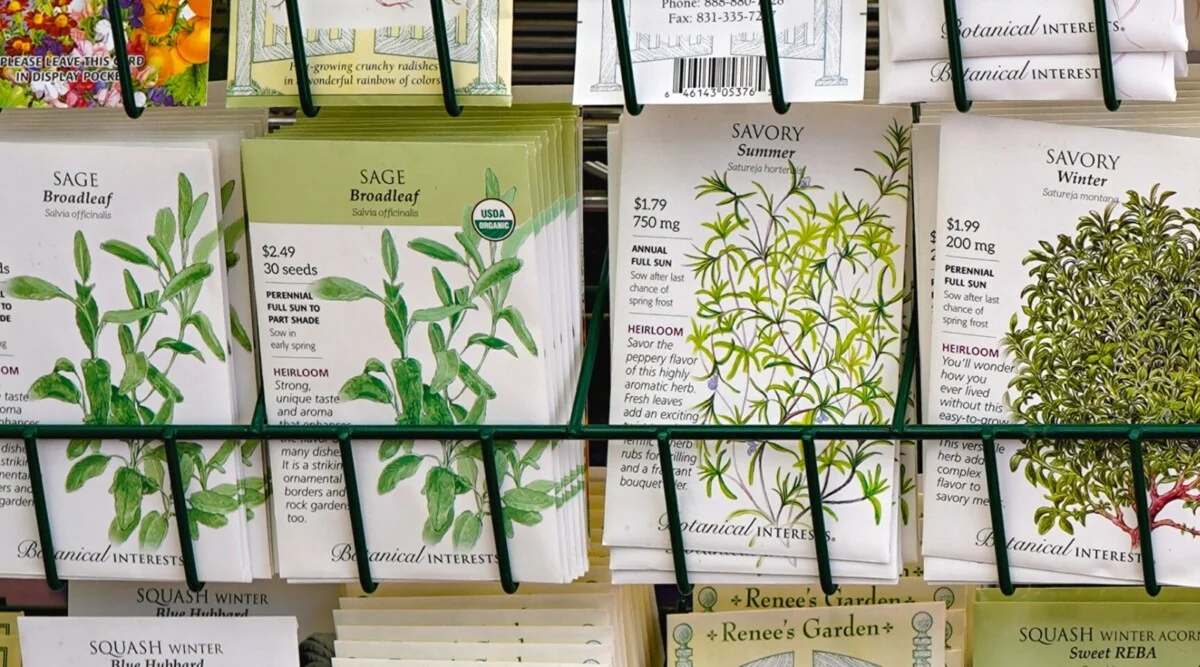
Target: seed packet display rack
[{"x": 488, "y": 435}]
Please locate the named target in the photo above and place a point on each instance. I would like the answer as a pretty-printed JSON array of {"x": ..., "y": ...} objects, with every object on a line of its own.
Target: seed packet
[
  {"x": 227, "y": 129},
  {"x": 61, "y": 54},
  {"x": 369, "y": 52},
  {"x": 692, "y": 53},
  {"x": 461, "y": 312},
  {"x": 1116, "y": 175},
  {"x": 310, "y": 604},
  {"x": 685, "y": 355},
  {"x": 1029, "y": 27},
  {"x": 882, "y": 635},
  {"x": 216, "y": 642},
  {"x": 149, "y": 271}
]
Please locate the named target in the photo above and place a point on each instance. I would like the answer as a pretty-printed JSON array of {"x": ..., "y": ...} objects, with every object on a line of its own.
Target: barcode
[{"x": 720, "y": 72}]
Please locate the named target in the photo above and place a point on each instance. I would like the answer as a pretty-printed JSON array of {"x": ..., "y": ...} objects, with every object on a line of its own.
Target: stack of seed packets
[
  {"x": 146, "y": 283},
  {"x": 697, "y": 53},
  {"x": 1083, "y": 194},
  {"x": 370, "y": 52},
  {"x": 1026, "y": 50},
  {"x": 588, "y": 621},
  {"x": 956, "y": 599},
  {"x": 158, "y": 642},
  {"x": 452, "y": 247},
  {"x": 719, "y": 320},
  {"x": 890, "y": 635}
]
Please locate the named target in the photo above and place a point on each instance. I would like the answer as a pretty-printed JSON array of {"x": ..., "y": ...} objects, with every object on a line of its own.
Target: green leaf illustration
[
  {"x": 31, "y": 289},
  {"x": 210, "y": 519},
  {"x": 515, "y": 320},
  {"x": 185, "y": 205},
  {"x": 185, "y": 279},
  {"x": 77, "y": 448},
  {"x": 212, "y": 502},
  {"x": 391, "y": 260},
  {"x": 523, "y": 517},
  {"x": 365, "y": 387},
  {"x": 153, "y": 531},
  {"x": 467, "y": 528},
  {"x": 439, "y": 313},
  {"x": 500, "y": 271},
  {"x": 164, "y": 227},
  {"x": 435, "y": 250},
  {"x": 397, "y": 471},
  {"x": 341, "y": 289},
  {"x": 491, "y": 342},
  {"x": 390, "y": 448},
  {"x": 439, "y": 500},
  {"x": 527, "y": 499},
  {"x": 442, "y": 288},
  {"x": 126, "y": 491},
  {"x": 179, "y": 346},
  {"x": 195, "y": 213},
  {"x": 57, "y": 387},
  {"x": 86, "y": 468},
  {"x": 447, "y": 370},
  {"x": 127, "y": 252},
  {"x": 132, "y": 290},
  {"x": 203, "y": 326},
  {"x": 226, "y": 450},
  {"x": 128, "y": 316},
  {"x": 83, "y": 258},
  {"x": 474, "y": 382},
  {"x": 410, "y": 389},
  {"x": 162, "y": 385},
  {"x": 238, "y": 331},
  {"x": 227, "y": 194},
  {"x": 205, "y": 246},
  {"x": 97, "y": 383},
  {"x": 491, "y": 184}
]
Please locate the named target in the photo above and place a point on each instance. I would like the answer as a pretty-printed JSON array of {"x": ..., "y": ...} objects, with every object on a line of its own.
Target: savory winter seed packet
[
  {"x": 1004, "y": 296},
  {"x": 60, "y": 53},
  {"x": 899, "y": 635},
  {"x": 103, "y": 642},
  {"x": 759, "y": 280},
  {"x": 445, "y": 274},
  {"x": 123, "y": 285},
  {"x": 695, "y": 53},
  {"x": 370, "y": 52}
]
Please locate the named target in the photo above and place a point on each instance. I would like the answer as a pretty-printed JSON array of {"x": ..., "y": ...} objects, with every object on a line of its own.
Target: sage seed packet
[
  {"x": 370, "y": 52},
  {"x": 125, "y": 258},
  {"x": 759, "y": 280},
  {"x": 1003, "y": 302},
  {"x": 899, "y": 635},
  {"x": 453, "y": 282}
]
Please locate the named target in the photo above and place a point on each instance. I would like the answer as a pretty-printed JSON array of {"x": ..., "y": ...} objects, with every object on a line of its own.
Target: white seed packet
[
  {"x": 104, "y": 642},
  {"x": 1069, "y": 189},
  {"x": 1137, "y": 76},
  {"x": 129, "y": 245},
  {"x": 434, "y": 295},
  {"x": 691, "y": 210},
  {"x": 917, "y": 28},
  {"x": 689, "y": 53},
  {"x": 310, "y": 604}
]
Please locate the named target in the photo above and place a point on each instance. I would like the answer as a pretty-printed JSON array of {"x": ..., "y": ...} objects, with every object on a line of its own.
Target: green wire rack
[{"x": 664, "y": 434}]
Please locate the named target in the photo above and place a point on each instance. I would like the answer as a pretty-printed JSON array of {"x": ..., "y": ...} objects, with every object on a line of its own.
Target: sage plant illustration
[
  {"x": 137, "y": 389},
  {"x": 452, "y": 390},
  {"x": 794, "y": 324},
  {"x": 1112, "y": 337}
]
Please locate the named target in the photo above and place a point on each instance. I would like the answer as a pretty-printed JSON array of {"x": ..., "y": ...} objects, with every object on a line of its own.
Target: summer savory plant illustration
[
  {"x": 1112, "y": 337},
  {"x": 452, "y": 390},
  {"x": 166, "y": 279},
  {"x": 793, "y": 325}
]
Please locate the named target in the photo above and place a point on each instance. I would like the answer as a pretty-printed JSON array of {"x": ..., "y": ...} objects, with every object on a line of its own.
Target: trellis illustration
[
  {"x": 819, "y": 40},
  {"x": 261, "y": 40},
  {"x": 474, "y": 38}
]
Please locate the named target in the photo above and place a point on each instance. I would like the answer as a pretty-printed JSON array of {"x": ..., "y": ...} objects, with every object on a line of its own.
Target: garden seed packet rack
[
  {"x": 756, "y": 182},
  {"x": 475, "y": 297}
]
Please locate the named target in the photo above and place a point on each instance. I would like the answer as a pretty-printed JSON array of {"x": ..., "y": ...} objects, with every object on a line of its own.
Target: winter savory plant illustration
[
  {"x": 794, "y": 324},
  {"x": 451, "y": 387},
  {"x": 158, "y": 329},
  {"x": 1111, "y": 337}
]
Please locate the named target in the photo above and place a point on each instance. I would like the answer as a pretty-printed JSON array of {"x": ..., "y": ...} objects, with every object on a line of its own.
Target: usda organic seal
[{"x": 494, "y": 219}]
